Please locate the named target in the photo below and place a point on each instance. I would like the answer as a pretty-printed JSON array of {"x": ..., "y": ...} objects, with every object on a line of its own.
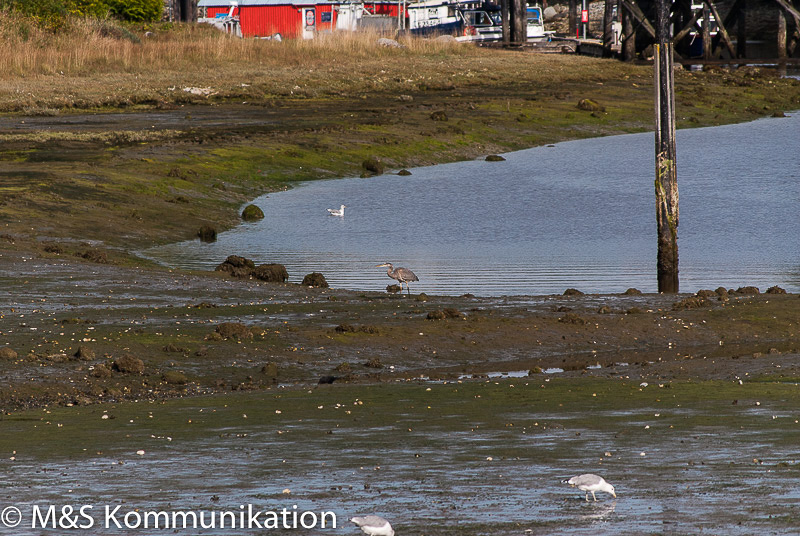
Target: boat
[
  {"x": 483, "y": 22},
  {"x": 434, "y": 17}
]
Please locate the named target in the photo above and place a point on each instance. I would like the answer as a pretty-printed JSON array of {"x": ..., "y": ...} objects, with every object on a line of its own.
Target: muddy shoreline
[{"x": 83, "y": 320}]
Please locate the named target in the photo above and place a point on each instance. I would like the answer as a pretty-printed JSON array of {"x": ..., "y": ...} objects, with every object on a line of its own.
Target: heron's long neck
[{"x": 389, "y": 270}]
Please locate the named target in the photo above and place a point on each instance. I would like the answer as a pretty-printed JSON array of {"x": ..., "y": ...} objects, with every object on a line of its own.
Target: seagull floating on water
[
  {"x": 404, "y": 275},
  {"x": 590, "y": 484},
  {"x": 374, "y": 525},
  {"x": 337, "y": 211}
]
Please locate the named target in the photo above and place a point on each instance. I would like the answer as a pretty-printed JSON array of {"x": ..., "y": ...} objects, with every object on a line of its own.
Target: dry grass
[
  {"x": 90, "y": 47},
  {"x": 97, "y": 63}
]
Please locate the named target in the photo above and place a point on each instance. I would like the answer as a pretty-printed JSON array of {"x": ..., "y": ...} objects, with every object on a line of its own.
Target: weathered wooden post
[
  {"x": 706, "y": 33},
  {"x": 608, "y": 27},
  {"x": 741, "y": 35},
  {"x": 519, "y": 21},
  {"x": 573, "y": 18},
  {"x": 666, "y": 172},
  {"x": 506, "y": 22},
  {"x": 781, "y": 34},
  {"x": 628, "y": 34}
]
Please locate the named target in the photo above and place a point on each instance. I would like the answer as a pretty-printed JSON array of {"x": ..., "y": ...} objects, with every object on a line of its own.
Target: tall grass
[{"x": 90, "y": 46}]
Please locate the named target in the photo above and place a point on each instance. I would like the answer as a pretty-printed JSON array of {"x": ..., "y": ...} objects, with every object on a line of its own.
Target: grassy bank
[{"x": 225, "y": 120}]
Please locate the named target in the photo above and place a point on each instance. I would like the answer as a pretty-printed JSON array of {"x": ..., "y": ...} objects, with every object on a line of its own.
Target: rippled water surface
[{"x": 577, "y": 214}]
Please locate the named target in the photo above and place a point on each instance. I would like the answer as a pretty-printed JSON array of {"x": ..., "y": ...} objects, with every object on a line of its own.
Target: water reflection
[{"x": 577, "y": 214}]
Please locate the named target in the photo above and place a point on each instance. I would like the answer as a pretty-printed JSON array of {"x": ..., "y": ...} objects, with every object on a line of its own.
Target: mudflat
[{"x": 86, "y": 182}]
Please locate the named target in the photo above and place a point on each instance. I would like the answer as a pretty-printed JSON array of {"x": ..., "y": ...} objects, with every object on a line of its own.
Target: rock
[
  {"x": 446, "y": 39},
  {"x": 206, "y": 233},
  {"x": 271, "y": 273},
  {"x": 572, "y": 318},
  {"x": 174, "y": 377},
  {"x": 604, "y": 310},
  {"x": 535, "y": 370},
  {"x": 252, "y": 213},
  {"x": 315, "y": 279},
  {"x": 343, "y": 367},
  {"x": 775, "y": 290},
  {"x": 270, "y": 370},
  {"x": 405, "y": 98},
  {"x": 748, "y": 290},
  {"x": 573, "y": 292},
  {"x": 435, "y": 315},
  {"x": 404, "y": 173},
  {"x": 421, "y": 297},
  {"x": 7, "y": 353},
  {"x": 634, "y": 311},
  {"x": 495, "y": 158},
  {"x": 94, "y": 255},
  {"x": 373, "y": 165},
  {"x": 550, "y": 13},
  {"x": 101, "y": 372},
  {"x": 374, "y": 363},
  {"x": 326, "y": 380},
  {"x": 391, "y": 43},
  {"x": 692, "y": 302},
  {"x": 438, "y": 115},
  {"x": 128, "y": 364},
  {"x": 237, "y": 266},
  {"x": 393, "y": 289},
  {"x": 722, "y": 291},
  {"x": 84, "y": 353},
  {"x": 234, "y": 330},
  {"x": 633, "y": 292},
  {"x": 705, "y": 293},
  {"x": 590, "y": 106}
]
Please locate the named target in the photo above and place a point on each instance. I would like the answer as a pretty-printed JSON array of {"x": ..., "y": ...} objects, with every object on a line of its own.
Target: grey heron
[
  {"x": 337, "y": 211},
  {"x": 590, "y": 484},
  {"x": 403, "y": 275},
  {"x": 374, "y": 525}
]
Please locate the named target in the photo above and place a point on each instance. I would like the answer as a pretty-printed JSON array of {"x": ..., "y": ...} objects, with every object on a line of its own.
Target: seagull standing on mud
[
  {"x": 374, "y": 525},
  {"x": 404, "y": 275},
  {"x": 590, "y": 484},
  {"x": 337, "y": 211}
]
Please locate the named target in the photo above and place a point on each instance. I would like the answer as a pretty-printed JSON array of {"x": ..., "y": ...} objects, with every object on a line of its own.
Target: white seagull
[
  {"x": 337, "y": 211},
  {"x": 591, "y": 483},
  {"x": 374, "y": 525}
]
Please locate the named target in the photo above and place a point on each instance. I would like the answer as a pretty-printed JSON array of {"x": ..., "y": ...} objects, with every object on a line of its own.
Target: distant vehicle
[{"x": 474, "y": 20}]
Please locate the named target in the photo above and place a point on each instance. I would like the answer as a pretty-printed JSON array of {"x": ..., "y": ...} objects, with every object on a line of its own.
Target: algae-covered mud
[{"x": 464, "y": 457}]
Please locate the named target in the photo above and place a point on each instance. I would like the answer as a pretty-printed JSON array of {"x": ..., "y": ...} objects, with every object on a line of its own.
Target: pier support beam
[
  {"x": 781, "y": 35},
  {"x": 741, "y": 30},
  {"x": 608, "y": 28},
  {"x": 666, "y": 183},
  {"x": 628, "y": 33}
]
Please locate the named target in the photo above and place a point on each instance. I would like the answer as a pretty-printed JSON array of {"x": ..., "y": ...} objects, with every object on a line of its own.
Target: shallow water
[
  {"x": 576, "y": 214},
  {"x": 483, "y": 458}
]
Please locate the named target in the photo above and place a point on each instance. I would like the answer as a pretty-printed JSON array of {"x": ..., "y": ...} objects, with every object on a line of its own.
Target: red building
[{"x": 289, "y": 18}]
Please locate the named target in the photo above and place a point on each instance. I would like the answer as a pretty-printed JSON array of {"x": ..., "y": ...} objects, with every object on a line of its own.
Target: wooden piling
[
  {"x": 506, "y": 21},
  {"x": 666, "y": 182},
  {"x": 573, "y": 18},
  {"x": 741, "y": 30},
  {"x": 706, "y": 34},
  {"x": 781, "y": 35},
  {"x": 628, "y": 33},
  {"x": 608, "y": 28}
]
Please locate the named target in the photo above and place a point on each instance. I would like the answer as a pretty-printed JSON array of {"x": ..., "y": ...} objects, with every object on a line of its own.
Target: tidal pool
[
  {"x": 576, "y": 214},
  {"x": 468, "y": 458}
]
